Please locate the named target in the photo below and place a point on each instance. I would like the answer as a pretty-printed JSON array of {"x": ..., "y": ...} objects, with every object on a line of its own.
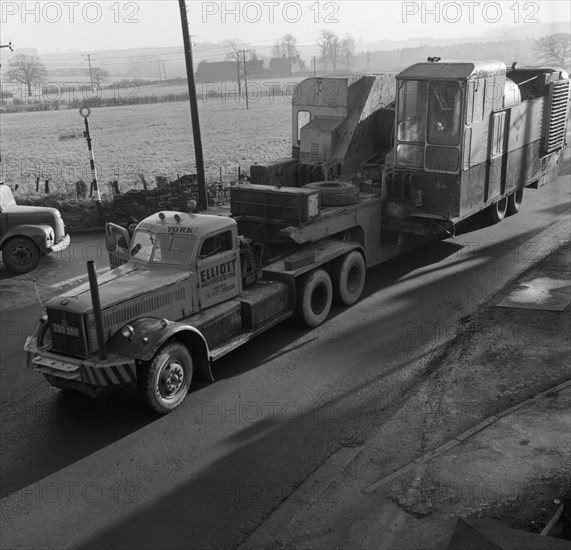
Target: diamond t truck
[
  {"x": 380, "y": 164},
  {"x": 28, "y": 232}
]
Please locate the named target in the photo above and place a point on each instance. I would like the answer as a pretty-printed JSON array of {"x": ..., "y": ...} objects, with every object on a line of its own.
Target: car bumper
[
  {"x": 113, "y": 371},
  {"x": 62, "y": 245}
]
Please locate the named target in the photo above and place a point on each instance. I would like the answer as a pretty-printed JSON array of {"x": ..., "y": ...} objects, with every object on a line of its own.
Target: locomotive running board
[{"x": 220, "y": 351}]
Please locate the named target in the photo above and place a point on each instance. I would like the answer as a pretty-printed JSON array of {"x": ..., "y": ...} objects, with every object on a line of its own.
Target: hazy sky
[{"x": 51, "y": 26}]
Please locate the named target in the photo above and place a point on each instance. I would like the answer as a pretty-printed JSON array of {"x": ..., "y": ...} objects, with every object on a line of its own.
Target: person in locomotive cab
[{"x": 444, "y": 114}]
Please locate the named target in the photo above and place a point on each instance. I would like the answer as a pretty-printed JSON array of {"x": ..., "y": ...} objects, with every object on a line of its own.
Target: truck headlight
[{"x": 127, "y": 331}]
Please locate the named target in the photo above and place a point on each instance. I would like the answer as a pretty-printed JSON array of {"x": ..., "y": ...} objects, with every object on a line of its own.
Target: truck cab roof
[{"x": 199, "y": 225}]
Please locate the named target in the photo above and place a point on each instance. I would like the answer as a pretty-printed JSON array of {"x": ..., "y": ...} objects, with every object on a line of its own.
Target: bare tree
[
  {"x": 330, "y": 46},
  {"x": 26, "y": 69},
  {"x": 347, "y": 47},
  {"x": 235, "y": 56},
  {"x": 286, "y": 46},
  {"x": 99, "y": 75},
  {"x": 555, "y": 48}
]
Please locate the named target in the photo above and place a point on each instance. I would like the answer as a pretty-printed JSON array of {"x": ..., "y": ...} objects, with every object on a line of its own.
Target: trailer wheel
[
  {"x": 514, "y": 202},
  {"x": 348, "y": 276},
  {"x": 335, "y": 193},
  {"x": 165, "y": 381},
  {"x": 497, "y": 211},
  {"x": 314, "y": 298},
  {"x": 21, "y": 254}
]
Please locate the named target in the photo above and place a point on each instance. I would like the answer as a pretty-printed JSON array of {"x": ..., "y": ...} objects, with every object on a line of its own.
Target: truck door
[
  {"x": 118, "y": 243},
  {"x": 218, "y": 269},
  {"x": 496, "y": 167}
]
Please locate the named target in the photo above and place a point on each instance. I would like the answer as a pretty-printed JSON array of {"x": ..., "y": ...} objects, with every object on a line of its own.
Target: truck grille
[{"x": 68, "y": 333}]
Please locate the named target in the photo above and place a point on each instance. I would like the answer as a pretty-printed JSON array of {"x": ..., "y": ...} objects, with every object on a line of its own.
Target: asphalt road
[{"x": 109, "y": 474}]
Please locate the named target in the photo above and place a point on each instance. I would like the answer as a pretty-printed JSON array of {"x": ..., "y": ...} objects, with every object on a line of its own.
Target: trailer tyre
[
  {"x": 349, "y": 273},
  {"x": 497, "y": 211},
  {"x": 315, "y": 295},
  {"x": 166, "y": 380},
  {"x": 335, "y": 193},
  {"x": 21, "y": 255},
  {"x": 515, "y": 201}
]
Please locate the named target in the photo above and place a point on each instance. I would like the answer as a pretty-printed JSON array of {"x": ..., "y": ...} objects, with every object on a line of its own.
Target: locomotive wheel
[
  {"x": 335, "y": 193},
  {"x": 514, "y": 202},
  {"x": 497, "y": 211},
  {"x": 21, "y": 255},
  {"x": 165, "y": 382},
  {"x": 315, "y": 295},
  {"x": 349, "y": 278}
]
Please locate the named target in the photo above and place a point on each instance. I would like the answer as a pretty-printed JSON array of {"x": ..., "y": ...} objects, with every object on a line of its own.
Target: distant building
[
  {"x": 217, "y": 71},
  {"x": 286, "y": 66}
]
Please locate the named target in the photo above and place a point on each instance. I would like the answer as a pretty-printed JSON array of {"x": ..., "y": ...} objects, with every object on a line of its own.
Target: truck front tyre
[
  {"x": 315, "y": 297},
  {"x": 21, "y": 255},
  {"x": 514, "y": 202},
  {"x": 497, "y": 211},
  {"x": 348, "y": 276},
  {"x": 164, "y": 383}
]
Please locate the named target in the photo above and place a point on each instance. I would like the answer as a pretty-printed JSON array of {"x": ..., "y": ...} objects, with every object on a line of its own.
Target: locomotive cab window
[{"x": 444, "y": 113}]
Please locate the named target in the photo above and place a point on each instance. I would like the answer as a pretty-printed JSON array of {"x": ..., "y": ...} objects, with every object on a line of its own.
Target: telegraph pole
[
  {"x": 368, "y": 58},
  {"x": 314, "y": 70},
  {"x": 245, "y": 78},
  {"x": 9, "y": 45},
  {"x": 202, "y": 196},
  {"x": 90, "y": 71},
  {"x": 159, "y": 64}
]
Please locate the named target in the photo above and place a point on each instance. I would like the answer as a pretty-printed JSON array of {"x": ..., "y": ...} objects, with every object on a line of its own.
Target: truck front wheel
[
  {"x": 315, "y": 296},
  {"x": 165, "y": 381},
  {"x": 21, "y": 255},
  {"x": 349, "y": 278}
]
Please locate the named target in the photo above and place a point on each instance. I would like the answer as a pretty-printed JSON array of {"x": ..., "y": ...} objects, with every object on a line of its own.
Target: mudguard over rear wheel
[
  {"x": 165, "y": 381},
  {"x": 315, "y": 294}
]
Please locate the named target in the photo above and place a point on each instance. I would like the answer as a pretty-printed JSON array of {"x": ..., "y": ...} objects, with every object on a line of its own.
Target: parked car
[{"x": 28, "y": 232}]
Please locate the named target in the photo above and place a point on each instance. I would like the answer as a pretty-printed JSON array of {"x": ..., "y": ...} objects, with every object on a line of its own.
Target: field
[{"x": 150, "y": 140}]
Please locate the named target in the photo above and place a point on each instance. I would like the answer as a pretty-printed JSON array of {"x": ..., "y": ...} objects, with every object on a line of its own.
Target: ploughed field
[{"x": 149, "y": 139}]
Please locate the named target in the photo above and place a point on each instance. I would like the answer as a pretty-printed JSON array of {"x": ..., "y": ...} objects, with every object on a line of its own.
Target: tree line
[{"x": 333, "y": 52}]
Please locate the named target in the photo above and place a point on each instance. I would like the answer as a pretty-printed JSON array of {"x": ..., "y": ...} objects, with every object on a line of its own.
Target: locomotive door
[{"x": 497, "y": 156}]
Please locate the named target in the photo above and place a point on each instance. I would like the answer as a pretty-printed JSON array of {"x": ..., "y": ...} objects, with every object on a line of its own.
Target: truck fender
[
  {"x": 150, "y": 334},
  {"x": 40, "y": 234}
]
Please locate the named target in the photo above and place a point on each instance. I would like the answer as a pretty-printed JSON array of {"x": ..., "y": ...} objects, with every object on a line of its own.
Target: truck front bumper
[
  {"x": 62, "y": 245},
  {"x": 113, "y": 371}
]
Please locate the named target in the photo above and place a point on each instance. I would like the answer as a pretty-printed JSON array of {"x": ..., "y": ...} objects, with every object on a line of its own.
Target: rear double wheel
[
  {"x": 515, "y": 201},
  {"x": 497, "y": 211},
  {"x": 348, "y": 274},
  {"x": 315, "y": 294}
]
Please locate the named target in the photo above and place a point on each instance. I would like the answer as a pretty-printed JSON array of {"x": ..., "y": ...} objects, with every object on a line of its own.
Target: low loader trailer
[{"x": 380, "y": 164}]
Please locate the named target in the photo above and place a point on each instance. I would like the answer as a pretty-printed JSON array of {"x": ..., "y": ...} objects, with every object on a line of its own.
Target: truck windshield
[{"x": 163, "y": 248}]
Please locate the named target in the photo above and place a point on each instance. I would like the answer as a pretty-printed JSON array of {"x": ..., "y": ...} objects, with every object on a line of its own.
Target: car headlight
[{"x": 127, "y": 331}]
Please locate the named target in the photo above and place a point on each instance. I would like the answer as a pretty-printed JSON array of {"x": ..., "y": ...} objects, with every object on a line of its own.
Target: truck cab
[{"x": 28, "y": 232}]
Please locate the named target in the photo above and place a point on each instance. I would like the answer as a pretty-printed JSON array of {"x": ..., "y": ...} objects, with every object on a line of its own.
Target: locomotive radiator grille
[
  {"x": 559, "y": 96},
  {"x": 68, "y": 333}
]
